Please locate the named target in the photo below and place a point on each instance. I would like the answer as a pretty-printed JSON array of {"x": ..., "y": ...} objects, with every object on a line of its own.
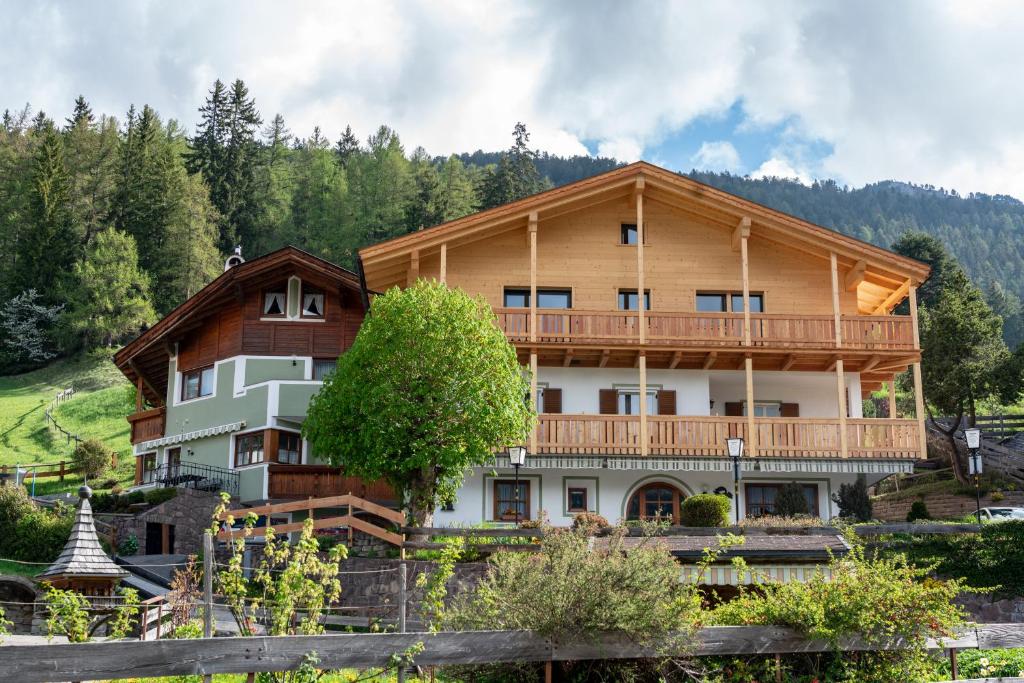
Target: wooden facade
[{"x": 825, "y": 304}]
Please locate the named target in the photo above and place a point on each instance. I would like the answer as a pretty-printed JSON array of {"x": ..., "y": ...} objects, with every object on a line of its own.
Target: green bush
[
  {"x": 790, "y": 501},
  {"x": 91, "y": 457},
  {"x": 15, "y": 503},
  {"x": 128, "y": 546},
  {"x": 589, "y": 521},
  {"x": 29, "y": 533},
  {"x": 853, "y": 500},
  {"x": 706, "y": 509},
  {"x": 918, "y": 510},
  {"x": 158, "y": 496}
]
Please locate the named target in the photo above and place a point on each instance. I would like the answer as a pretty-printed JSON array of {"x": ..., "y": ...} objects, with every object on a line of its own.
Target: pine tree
[
  {"x": 239, "y": 205},
  {"x": 25, "y": 325},
  {"x": 380, "y": 189},
  {"x": 515, "y": 175},
  {"x": 318, "y": 203},
  {"x": 82, "y": 115},
  {"x": 456, "y": 191},
  {"x": 207, "y": 150},
  {"x": 92, "y": 158},
  {"x": 189, "y": 258},
  {"x": 346, "y": 146}
]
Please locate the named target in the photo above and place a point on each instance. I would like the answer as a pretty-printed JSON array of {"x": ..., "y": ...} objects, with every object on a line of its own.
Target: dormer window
[
  {"x": 312, "y": 304},
  {"x": 275, "y": 304}
]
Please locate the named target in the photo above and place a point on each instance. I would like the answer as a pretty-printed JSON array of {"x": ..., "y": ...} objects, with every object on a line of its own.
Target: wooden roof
[
  {"x": 83, "y": 556},
  {"x": 883, "y": 277},
  {"x": 148, "y": 354}
]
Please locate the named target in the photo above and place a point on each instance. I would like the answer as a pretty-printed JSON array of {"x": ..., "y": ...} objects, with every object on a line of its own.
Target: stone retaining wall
[
  {"x": 985, "y": 609},
  {"x": 190, "y": 511},
  {"x": 940, "y": 505},
  {"x": 374, "y": 590}
]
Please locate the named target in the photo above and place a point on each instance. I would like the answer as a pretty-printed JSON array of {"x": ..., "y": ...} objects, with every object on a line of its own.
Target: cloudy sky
[{"x": 926, "y": 91}]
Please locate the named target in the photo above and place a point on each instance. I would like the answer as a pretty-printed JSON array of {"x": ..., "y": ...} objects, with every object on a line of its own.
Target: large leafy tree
[{"x": 430, "y": 388}]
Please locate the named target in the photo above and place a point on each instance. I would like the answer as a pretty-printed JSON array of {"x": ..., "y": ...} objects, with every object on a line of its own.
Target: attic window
[
  {"x": 312, "y": 304},
  {"x": 274, "y": 304}
]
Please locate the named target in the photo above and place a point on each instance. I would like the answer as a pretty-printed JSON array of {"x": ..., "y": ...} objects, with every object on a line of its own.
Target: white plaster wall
[
  {"x": 814, "y": 391},
  {"x": 580, "y": 386},
  {"x": 609, "y": 491}
]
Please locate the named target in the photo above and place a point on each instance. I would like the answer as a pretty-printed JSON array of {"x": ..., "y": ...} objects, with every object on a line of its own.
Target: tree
[
  {"x": 456, "y": 191},
  {"x": 240, "y": 205},
  {"x": 26, "y": 325},
  {"x": 206, "y": 154},
  {"x": 853, "y": 500},
  {"x": 189, "y": 258},
  {"x": 110, "y": 300},
  {"x": 380, "y": 190},
  {"x": 82, "y": 114},
  {"x": 346, "y": 146},
  {"x": 515, "y": 176},
  {"x": 928, "y": 249},
  {"x": 430, "y": 388},
  {"x": 790, "y": 500},
  {"x": 318, "y": 197},
  {"x": 1007, "y": 306},
  {"x": 92, "y": 160}
]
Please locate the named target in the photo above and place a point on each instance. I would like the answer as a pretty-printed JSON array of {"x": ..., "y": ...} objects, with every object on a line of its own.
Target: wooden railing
[
  {"x": 148, "y": 424},
  {"x": 706, "y": 435},
  {"x": 871, "y": 333},
  {"x": 305, "y": 481}
]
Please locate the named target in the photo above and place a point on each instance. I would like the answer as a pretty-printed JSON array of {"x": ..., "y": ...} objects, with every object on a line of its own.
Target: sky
[{"x": 927, "y": 92}]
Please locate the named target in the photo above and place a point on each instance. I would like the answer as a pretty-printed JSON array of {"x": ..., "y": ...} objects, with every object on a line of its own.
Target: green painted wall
[{"x": 265, "y": 369}]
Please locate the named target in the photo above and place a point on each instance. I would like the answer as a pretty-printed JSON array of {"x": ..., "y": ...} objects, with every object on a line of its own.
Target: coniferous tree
[
  {"x": 380, "y": 189},
  {"x": 346, "y": 146},
  {"x": 82, "y": 114},
  {"x": 318, "y": 202},
  {"x": 189, "y": 258},
  {"x": 92, "y": 158},
  {"x": 456, "y": 191},
  {"x": 207, "y": 149},
  {"x": 25, "y": 326},
  {"x": 240, "y": 204},
  {"x": 515, "y": 176},
  {"x": 275, "y": 180}
]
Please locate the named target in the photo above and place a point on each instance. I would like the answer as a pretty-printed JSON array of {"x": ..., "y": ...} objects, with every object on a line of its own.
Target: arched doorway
[{"x": 655, "y": 500}]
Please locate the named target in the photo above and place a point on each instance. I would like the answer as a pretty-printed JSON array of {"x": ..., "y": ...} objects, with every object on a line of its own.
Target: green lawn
[
  {"x": 102, "y": 399},
  {"x": 28, "y": 570}
]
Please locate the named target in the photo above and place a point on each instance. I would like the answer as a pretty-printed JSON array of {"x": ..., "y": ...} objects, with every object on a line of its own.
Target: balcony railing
[
  {"x": 870, "y": 333},
  {"x": 317, "y": 481},
  {"x": 193, "y": 475},
  {"x": 705, "y": 436},
  {"x": 147, "y": 425}
]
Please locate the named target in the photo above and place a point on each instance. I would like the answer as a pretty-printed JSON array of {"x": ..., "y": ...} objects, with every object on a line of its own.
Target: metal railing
[{"x": 194, "y": 476}]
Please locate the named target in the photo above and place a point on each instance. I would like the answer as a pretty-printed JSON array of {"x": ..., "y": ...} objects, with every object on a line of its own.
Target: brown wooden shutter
[
  {"x": 734, "y": 409},
  {"x": 667, "y": 402},
  {"x": 138, "y": 469},
  {"x": 552, "y": 400},
  {"x": 789, "y": 410},
  {"x": 608, "y": 401}
]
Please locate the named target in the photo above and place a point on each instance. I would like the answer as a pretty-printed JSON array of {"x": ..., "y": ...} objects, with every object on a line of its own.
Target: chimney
[{"x": 235, "y": 258}]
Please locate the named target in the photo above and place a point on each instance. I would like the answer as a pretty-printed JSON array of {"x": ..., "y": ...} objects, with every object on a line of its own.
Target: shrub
[
  {"x": 15, "y": 503},
  {"x": 997, "y": 497},
  {"x": 853, "y": 500},
  {"x": 30, "y": 533},
  {"x": 158, "y": 496},
  {"x": 777, "y": 522},
  {"x": 589, "y": 521},
  {"x": 128, "y": 545},
  {"x": 706, "y": 509},
  {"x": 91, "y": 457},
  {"x": 791, "y": 501},
  {"x": 918, "y": 510}
]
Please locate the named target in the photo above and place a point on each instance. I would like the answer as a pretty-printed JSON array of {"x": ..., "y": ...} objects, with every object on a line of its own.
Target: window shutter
[
  {"x": 552, "y": 400},
  {"x": 138, "y": 468},
  {"x": 608, "y": 401},
  {"x": 734, "y": 409},
  {"x": 789, "y": 410},
  {"x": 667, "y": 402}
]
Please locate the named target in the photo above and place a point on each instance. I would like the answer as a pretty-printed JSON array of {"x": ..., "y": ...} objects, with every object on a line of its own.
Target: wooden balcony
[
  {"x": 778, "y": 331},
  {"x": 147, "y": 425},
  {"x": 318, "y": 481},
  {"x": 705, "y": 436}
]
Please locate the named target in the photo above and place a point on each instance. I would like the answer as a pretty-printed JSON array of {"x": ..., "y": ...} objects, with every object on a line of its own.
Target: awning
[{"x": 190, "y": 436}]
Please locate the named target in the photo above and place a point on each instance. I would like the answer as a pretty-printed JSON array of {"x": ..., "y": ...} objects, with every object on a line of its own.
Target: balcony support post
[
  {"x": 841, "y": 389},
  {"x": 413, "y": 273},
  {"x": 138, "y": 394},
  {"x": 743, "y": 233},
  {"x": 643, "y": 404},
  {"x": 835, "y": 300},
  {"x": 918, "y": 384},
  {"x": 444, "y": 263},
  {"x": 748, "y": 364},
  {"x": 532, "y": 229},
  {"x": 533, "y": 398},
  {"x": 640, "y": 309},
  {"x": 892, "y": 398}
]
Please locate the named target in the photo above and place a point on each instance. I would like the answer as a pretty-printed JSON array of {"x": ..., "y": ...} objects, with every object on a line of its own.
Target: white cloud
[
  {"x": 776, "y": 167},
  {"x": 917, "y": 90},
  {"x": 716, "y": 156}
]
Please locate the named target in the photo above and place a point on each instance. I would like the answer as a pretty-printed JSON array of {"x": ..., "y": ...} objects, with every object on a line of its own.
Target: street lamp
[
  {"x": 973, "y": 438},
  {"x": 735, "y": 447},
  {"x": 517, "y": 456}
]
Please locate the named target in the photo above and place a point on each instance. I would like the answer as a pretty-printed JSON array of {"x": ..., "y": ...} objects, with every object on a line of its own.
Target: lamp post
[
  {"x": 735, "y": 448},
  {"x": 973, "y": 438},
  {"x": 517, "y": 456}
]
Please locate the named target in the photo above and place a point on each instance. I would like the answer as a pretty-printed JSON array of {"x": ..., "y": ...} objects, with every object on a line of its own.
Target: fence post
[
  {"x": 207, "y": 591},
  {"x": 62, "y": 470},
  {"x": 401, "y": 612},
  {"x": 953, "y": 668}
]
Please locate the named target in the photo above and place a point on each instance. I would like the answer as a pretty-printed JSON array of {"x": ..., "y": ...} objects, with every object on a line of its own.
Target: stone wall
[
  {"x": 987, "y": 610},
  {"x": 371, "y": 585},
  {"x": 16, "y": 597},
  {"x": 190, "y": 512},
  {"x": 940, "y": 505}
]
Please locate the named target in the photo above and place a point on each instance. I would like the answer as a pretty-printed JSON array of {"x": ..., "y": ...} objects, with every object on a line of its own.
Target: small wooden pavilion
[{"x": 83, "y": 566}]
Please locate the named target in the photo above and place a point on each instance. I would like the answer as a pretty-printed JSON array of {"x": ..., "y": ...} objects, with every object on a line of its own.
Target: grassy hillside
[{"x": 101, "y": 401}]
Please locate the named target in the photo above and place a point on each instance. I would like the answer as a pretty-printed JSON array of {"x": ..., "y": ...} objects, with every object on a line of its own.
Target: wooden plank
[
  {"x": 641, "y": 310},
  {"x": 740, "y": 232},
  {"x": 748, "y": 365},
  {"x": 836, "y": 311},
  {"x": 472, "y": 532},
  {"x": 745, "y": 276},
  {"x": 479, "y": 547},
  {"x": 855, "y": 276},
  {"x": 444, "y": 263},
  {"x": 644, "y": 441},
  {"x": 893, "y": 299}
]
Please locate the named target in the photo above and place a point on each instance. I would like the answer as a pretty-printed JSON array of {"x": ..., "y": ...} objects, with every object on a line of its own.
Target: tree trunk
[
  {"x": 422, "y": 492},
  {"x": 950, "y": 435}
]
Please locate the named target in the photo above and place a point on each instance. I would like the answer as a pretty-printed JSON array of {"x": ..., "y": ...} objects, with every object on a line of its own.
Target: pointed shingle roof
[{"x": 83, "y": 556}]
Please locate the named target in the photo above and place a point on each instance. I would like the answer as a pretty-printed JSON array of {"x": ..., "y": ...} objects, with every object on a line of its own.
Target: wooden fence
[
  {"x": 44, "y": 470},
  {"x": 999, "y": 426},
  {"x": 44, "y": 663}
]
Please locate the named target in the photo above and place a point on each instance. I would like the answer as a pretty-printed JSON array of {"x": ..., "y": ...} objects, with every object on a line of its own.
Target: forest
[{"x": 108, "y": 223}]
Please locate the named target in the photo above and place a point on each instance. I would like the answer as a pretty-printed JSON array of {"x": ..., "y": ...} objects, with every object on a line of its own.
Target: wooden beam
[
  {"x": 138, "y": 393},
  {"x": 871, "y": 364},
  {"x": 640, "y": 308},
  {"x": 413, "y": 273},
  {"x": 740, "y": 232},
  {"x": 835, "y": 300},
  {"x": 158, "y": 397},
  {"x": 743, "y": 362},
  {"x": 788, "y": 363},
  {"x": 832, "y": 363},
  {"x": 643, "y": 401},
  {"x": 912, "y": 291},
  {"x": 531, "y": 227},
  {"x": 841, "y": 389},
  {"x": 676, "y": 357},
  {"x": 892, "y": 397},
  {"x": 709, "y": 360},
  {"x": 893, "y": 299},
  {"x": 605, "y": 353},
  {"x": 567, "y": 359},
  {"x": 533, "y": 398},
  {"x": 745, "y": 268},
  {"x": 855, "y": 276},
  {"x": 444, "y": 263},
  {"x": 636, "y": 359},
  {"x": 751, "y": 439}
]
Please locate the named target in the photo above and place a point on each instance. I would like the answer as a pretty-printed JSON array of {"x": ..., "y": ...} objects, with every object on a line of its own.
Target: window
[
  {"x": 148, "y": 468},
  {"x": 173, "y": 461},
  {"x": 312, "y": 303},
  {"x": 627, "y": 299},
  {"x": 760, "y": 498},
  {"x": 724, "y": 302},
  {"x": 628, "y": 233},
  {"x": 505, "y": 501},
  {"x": 629, "y": 402},
  {"x": 655, "y": 501},
  {"x": 275, "y": 304},
  {"x": 540, "y": 398},
  {"x": 577, "y": 499},
  {"x": 546, "y": 298},
  {"x": 322, "y": 367},
  {"x": 197, "y": 383},
  {"x": 289, "y": 448},
  {"x": 765, "y": 409},
  {"x": 248, "y": 449}
]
